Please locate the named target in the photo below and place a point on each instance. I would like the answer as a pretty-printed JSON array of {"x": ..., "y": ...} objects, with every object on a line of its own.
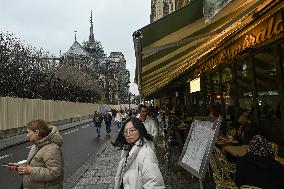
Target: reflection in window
[
  {"x": 228, "y": 92},
  {"x": 207, "y": 90},
  {"x": 267, "y": 86},
  {"x": 282, "y": 52},
  {"x": 215, "y": 102},
  {"x": 244, "y": 78}
]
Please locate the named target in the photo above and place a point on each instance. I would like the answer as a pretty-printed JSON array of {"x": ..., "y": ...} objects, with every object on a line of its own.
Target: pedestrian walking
[
  {"x": 97, "y": 119},
  {"x": 138, "y": 167},
  {"x": 118, "y": 119},
  {"x": 124, "y": 115},
  {"x": 149, "y": 123},
  {"x": 108, "y": 119},
  {"x": 44, "y": 166}
]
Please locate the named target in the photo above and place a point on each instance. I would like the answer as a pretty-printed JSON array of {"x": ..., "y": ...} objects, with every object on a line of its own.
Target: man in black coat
[
  {"x": 259, "y": 167},
  {"x": 108, "y": 119}
]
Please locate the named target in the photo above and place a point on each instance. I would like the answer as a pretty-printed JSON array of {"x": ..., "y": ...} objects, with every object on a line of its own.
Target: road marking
[
  {"x": 71, "y": 131},
  {"x": 85, "y": 126},
  {"x": 5, "y": 156}
]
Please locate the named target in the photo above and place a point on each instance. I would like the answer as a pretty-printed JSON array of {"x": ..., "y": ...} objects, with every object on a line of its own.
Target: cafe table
[
  {"x": 222, "y": 142},
  {"x": 280, "y": 160},
  {"x": 237, "y": 151}
]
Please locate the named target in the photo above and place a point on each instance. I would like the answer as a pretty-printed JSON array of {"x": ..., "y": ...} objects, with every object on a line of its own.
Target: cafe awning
[{"x": 170, "y": 46}]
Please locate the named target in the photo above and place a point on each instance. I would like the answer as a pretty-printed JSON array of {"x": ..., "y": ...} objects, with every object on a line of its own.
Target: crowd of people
[
  {"x": 138, "y": 167},
  {"x": 137, "y": 133}
]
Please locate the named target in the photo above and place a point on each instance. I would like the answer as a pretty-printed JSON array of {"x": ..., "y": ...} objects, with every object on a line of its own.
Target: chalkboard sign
[{"x": 199, "y": 145}]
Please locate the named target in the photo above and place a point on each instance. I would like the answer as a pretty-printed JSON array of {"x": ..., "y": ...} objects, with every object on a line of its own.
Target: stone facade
[
  {"x": 115, "y": 78},
  {"x": 110, "y": 72},
  {"x": 161, "y": 8}
]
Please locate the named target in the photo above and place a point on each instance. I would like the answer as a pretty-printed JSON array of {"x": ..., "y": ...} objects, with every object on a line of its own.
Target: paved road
[{"x": 79, "y": 143}]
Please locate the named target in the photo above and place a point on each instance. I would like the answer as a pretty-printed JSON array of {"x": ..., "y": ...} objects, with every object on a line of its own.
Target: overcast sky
[{"x": 50, "y": 24}]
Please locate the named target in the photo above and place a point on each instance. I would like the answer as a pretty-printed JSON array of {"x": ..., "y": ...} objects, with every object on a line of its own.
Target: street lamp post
[
  {"x": 128, "y": 100},
  {"x": 128, "y": 94}
]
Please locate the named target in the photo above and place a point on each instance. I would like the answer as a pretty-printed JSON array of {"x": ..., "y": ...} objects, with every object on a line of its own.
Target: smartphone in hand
[{"x": 11, "y": 166}]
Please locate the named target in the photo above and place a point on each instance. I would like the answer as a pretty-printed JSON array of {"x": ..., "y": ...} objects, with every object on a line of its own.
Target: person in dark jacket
[
  {"x": 247, "y": 129},
  {"x": 97, "y": 119},
  {"x": 259, "y": 167},
  {"x": 108, "y": 119}
]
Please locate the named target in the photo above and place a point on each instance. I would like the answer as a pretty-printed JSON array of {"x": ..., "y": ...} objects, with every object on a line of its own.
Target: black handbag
[{"x": 21, "y": 186}]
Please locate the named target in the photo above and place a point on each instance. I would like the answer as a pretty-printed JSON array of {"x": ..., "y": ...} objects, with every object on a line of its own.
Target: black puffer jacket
[{"x": 264, "y": 172}]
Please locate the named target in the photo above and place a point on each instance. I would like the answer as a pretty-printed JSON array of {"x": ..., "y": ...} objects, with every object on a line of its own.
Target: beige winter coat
[{"x": 47, "y": 164}]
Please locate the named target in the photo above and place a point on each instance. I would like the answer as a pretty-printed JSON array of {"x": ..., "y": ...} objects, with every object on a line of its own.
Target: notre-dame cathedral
[{"x": 110, "y": 72}]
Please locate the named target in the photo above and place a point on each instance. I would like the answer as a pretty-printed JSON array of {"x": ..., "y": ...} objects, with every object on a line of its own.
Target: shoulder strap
[{"x": 30, "y": 160}]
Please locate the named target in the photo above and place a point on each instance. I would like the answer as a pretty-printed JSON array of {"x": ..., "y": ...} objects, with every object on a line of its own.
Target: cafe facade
[{"x": 233, "y": 63}]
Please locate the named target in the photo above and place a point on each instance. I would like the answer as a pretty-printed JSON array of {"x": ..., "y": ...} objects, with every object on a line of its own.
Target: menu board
[
  {"x": 194, "y": 85},
  {"x": 199, "y": 144}
]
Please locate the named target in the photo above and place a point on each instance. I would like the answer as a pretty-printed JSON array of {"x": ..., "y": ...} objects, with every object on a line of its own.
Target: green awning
[{"x": 171, "y": 45}]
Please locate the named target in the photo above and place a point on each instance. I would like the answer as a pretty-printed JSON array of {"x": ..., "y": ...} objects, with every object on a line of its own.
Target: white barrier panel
[{"x": 16, "y": 112}]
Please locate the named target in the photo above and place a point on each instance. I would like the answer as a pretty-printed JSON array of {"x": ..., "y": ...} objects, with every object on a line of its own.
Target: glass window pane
[
  {"x": 215, "y": 101},
  {"x": 228, "y": 92},
  {"x": 207, "y": 89},
  {"x": 282, "y": 53},
  {"x": 267, "y": 85},
  {"x": 244, "y": 78}
]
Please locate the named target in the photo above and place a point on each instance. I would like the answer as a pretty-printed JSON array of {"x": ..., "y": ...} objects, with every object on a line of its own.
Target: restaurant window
[
  {"x": 207, "y": 92},
  {"x": 194, "y": 97},
  {"x": 244, "y": 78},
  {"x": 267, "y": 85},
  {"x": 215, "y": 101},
  {"x": 282, "y": 54},
  {"x": 228, "y": 93}
]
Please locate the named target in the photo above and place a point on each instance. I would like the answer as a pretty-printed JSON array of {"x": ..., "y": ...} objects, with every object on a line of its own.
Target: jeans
[
  {"x": 98, "y": 128},
  {"x": 118, "y": 125},
  {"x": 108, "y": 127}
]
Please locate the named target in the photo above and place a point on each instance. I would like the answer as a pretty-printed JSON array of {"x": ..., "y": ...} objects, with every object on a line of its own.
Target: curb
[{"x": 72, "y": 180}]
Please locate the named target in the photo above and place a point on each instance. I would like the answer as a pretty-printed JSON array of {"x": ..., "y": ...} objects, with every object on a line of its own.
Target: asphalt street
[{"x": 79, "y": 144}]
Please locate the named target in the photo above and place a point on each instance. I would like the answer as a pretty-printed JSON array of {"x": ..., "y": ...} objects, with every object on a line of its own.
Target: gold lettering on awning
[{"x": 268, "y": 29}]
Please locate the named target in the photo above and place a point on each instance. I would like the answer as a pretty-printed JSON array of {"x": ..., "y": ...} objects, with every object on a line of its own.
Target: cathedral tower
[{"x": 91, "y": 37}]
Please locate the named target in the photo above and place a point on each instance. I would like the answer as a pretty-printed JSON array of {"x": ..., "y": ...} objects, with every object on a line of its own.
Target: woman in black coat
[{"x": 259, "y": 167}]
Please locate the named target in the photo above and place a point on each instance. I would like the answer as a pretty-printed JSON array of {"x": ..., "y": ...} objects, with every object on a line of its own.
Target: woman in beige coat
[{"x": 44, "y": 168}]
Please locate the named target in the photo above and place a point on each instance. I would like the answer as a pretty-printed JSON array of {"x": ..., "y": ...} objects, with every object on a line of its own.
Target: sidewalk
[
  {"x": 102, "y": 170},
  {"x": 18, "y": 139}
]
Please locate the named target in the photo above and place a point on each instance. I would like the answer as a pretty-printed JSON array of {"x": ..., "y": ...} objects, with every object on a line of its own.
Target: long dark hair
[{"x": 138, "y": 124}]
